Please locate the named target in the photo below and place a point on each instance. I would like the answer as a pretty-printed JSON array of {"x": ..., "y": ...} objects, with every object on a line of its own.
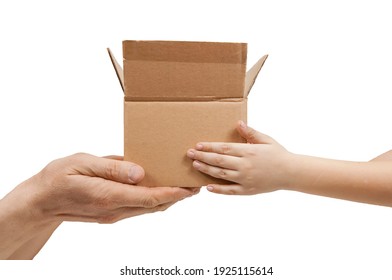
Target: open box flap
[
  {"x": 184, "y": 70},
  {"x": 252, "y": 73},
  {"x": 185, "y": 51},
  {"x": 250, "y": 78},
  {"x": 117, "y": 68}
]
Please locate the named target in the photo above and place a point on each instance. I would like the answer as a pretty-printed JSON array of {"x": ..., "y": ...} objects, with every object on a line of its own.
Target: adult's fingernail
[
  {"x": 196, "y": 191},
  {"x": 242, "y": 124}
]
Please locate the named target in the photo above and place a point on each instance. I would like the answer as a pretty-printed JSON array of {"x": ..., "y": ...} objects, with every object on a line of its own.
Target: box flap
[
  {"x": 252, "y": 73},
  {"x": 184, "y": 70},
  {"x": 185, "y": 51},
  {"x": 117, "y": 68}
]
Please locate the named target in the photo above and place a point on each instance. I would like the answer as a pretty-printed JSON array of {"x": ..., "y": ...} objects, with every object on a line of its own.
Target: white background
[{"x": 324, "y": 91}]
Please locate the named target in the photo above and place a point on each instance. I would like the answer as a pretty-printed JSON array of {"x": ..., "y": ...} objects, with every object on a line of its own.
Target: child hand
[{"x": 260, "y": 166}]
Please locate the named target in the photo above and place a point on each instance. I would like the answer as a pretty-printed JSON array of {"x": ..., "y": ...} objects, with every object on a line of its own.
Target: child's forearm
[{"x": 369, "y": 182}]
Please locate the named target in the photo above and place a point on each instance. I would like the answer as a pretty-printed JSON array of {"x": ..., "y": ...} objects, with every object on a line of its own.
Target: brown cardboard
[{"x": 177, "y": 94}]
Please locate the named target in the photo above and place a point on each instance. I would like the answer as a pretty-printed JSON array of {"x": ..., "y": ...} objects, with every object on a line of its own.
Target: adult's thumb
[{"x": 111, "y": 168}]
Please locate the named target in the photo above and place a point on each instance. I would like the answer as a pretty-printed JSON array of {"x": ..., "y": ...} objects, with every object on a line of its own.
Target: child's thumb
[{"x": 253, "y": 136}]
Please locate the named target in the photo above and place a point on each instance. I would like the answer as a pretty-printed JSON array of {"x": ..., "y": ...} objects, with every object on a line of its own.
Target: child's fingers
[
  {"x": 231, "y": 149},
  {"x": 217, "y": 172},
  {"x": 224, "y": 161},
  {"x": 226, "y": 189}
]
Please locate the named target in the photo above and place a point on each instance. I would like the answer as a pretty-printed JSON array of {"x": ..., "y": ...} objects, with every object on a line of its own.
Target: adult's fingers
[
  {"x": 224, "y": 161},
  {"x": 114, "y": 157},
  {"x": 137, "y": 196},
  {"x": 129, "y": 212},
  {"x": 110, "y": 169},
  {"x": 110, "y": 217},
  {"x": 226, "y": 189},
  {"x": 107, "y": 194}
]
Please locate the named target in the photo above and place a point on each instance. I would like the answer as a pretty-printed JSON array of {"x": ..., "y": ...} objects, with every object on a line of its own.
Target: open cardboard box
[{"x": 178, "y": 94}]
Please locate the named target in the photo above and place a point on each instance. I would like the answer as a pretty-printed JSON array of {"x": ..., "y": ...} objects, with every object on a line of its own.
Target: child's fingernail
[
  {"x": 210, "y": 188},
  {"x": 242, "y": 124},
  {"x": 199, "y": 146},
  {"x": 196, "y": 165},
  {"x": 190, "y": 154}
]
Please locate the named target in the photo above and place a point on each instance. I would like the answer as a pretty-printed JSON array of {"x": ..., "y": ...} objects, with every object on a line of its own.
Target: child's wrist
[{"x": 293, "y": 166}]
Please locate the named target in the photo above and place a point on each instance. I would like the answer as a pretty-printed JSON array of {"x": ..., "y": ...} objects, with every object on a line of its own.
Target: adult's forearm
[
  {"x": 22, "y": 232},
  {"x": 31, "y": 248},
  {"x": 368, "y": 182}
]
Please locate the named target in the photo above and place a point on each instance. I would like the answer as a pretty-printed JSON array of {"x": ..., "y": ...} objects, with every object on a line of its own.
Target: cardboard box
[{"x": 178, "y": 94}]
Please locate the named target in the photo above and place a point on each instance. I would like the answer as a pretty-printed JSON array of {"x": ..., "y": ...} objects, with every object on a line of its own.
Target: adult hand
[
  {"x": 82, "y": 188},
  {"x": 86, "y": 188}
]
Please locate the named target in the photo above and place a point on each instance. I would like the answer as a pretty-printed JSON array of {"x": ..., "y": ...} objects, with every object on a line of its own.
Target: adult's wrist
[{"x": 30, "y": 197}]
